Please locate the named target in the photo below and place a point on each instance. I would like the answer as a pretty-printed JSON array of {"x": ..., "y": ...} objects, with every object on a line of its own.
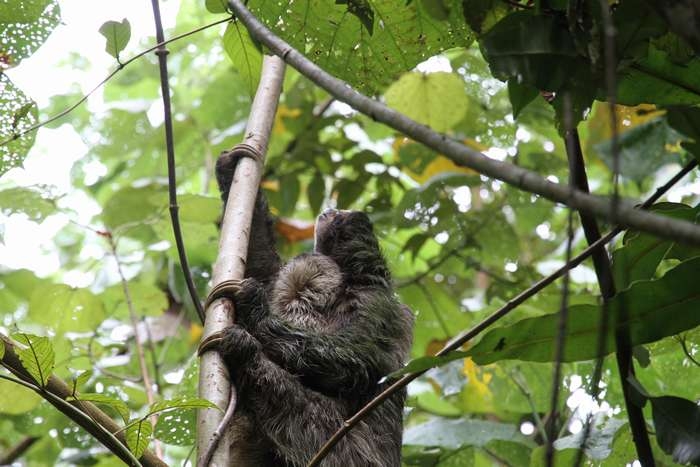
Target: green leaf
[
  {"x": 117, "y": 35},
  {"x": 362, "y": 10},
  {"x": 66, "y": 309},
  {"x": 289, "y": 193},
  {"x": 28, "y": 201},
  {"x": 216, "y": 6},
  {"x": 425, "y": 363},
  {"x": 643, "y": 149},
  {"x": 677, "y": 423},
  {"x": 437, "y": 100},
  {"x": 38, "y": 358},
  {"x": 532, "y": 49},
  {"x": 17, "y": 399},
  {"x": 102, "y": 399},
  {"x": 520, "y": 95},
  {"x": 198, "y": 208},
  {"x": 316, "y": 192},
  {"x": 636, "y": 22},
  {"x": 648, "y": 305},
  {"x": 14, "y": 118},
  {"x": 26, "y": 11},
  {"x": 349, "y": 190},
  {"x": 132, "y": 207},
  {"x": 454, "y": 434},
  {"x": 338, "y": 42},
  {"x": 655, "y": 79},
  {"x": 600, "y": 439},
  {"x": 20, "y": 35},
  {"x": 138, "y": 435},
  {"x": 182, "y": 403},
  {"x": 245, "y": 54}
]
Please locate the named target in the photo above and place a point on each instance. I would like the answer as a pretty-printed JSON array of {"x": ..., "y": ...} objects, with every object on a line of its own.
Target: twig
[
  {"x": 559, "y": 346},
  {"x": 162, "y": 53},
  {"x": 71, "y": 108},
  {"x": 525, "y": 390},
  {"x": 463, "y": 155},
  {"x": 137, "y": 337},
  {"x": 458, "y": 341},
  {"x": 85, "y": 414},
  {"x": 18, "y": 450},
  {"x": 219, "y": 432}
]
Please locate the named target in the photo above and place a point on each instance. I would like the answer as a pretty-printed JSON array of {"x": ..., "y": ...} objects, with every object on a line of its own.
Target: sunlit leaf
[
  {"x": 38, "y": 358},
  {"x": 117, "y": 35},
  {"x": 14, "y": 119},
  {"x": 66, "y": 309},
  {"x": 102, "y": 399},
  {"x": 245, "y": 54},
  {"x": 138, "y": 435},
  {"x": 25, "y": 27}
]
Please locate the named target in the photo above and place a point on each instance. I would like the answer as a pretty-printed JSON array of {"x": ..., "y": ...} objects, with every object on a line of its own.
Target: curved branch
[
  {"x": 85, "y": 414},
  {"x": 460, "y": 340},
  {"x": 624, "y": 214}
]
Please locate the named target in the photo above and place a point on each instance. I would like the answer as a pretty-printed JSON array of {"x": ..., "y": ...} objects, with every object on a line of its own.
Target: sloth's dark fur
[{"x": 312, "y": 340}]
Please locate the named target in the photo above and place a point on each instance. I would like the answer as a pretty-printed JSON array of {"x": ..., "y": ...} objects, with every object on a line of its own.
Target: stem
[{"x": 137, "y": 339}]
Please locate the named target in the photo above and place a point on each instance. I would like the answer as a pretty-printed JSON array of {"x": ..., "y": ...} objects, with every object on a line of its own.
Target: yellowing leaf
[
  {"x": 283, "y": 112},
  {"x": 434, "y": 99},
  {"x": 439, "y": 164}
]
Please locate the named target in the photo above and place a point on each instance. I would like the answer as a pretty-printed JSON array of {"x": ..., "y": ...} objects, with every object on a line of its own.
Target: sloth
[{"x": 312, "y": 341}]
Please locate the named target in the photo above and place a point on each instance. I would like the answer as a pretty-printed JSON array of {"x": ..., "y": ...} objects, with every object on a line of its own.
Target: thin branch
[
  {"x": 559, "y": 347},
  {"x": 162, "y": 53},
  {"x": 137, "y": 337},
  {"x": 107, "y": 78},
  {"x": 463, "y": 155},
  {"x": 18, "y": 450},
  {"x": 525, "y": 391},
  {"x": 458, "y": 341},
  {"x": 85, "y": 414}
]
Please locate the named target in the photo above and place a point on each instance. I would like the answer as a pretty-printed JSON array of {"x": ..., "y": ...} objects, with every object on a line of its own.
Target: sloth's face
[{"x": 333, "y": 227}]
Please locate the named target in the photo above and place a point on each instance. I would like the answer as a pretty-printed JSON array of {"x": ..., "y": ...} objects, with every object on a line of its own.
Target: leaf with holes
[
  {"x": 117, "y": 35},
  {"x": 38, "y": 358}
]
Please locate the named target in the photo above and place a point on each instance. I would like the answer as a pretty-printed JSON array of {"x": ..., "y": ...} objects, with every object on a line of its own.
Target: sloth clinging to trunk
[{"x": 312, "y": 340}]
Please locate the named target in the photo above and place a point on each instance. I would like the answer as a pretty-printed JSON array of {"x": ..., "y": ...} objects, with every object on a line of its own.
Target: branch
[
  {"x": 214, "y": 384},
  {"x": 137, "y": 338},
  {"x": 162, "y": 53},
  {"x": 460, "y": 154},
  {"x": 18, "y": 450},
  {"x": 623, "y": 355},
  {"x": 458, "y": 341},
  {"x": 85, "y": 414},
  {"x": 68, "y": 110}
]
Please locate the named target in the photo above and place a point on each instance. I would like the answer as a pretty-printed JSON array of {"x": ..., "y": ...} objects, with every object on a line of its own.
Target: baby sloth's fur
[{"x": 312, "y": 340}]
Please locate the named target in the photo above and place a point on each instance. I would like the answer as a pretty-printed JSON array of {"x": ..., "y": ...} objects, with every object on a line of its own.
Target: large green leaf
[
  {"x": 437, "y": 100},
  {"x": 536, "y": 50},
  {"x": 454, "y": 434},
  {"x": 245, "y": 54},
  {"x": 65, "y": 309},
  {"x": 404, "y": 34},
  {"x": 17, "y": 399},
  {"x": 654, "y": 309},
  {"x": 138, "y": 435},
  {"x": 657, "y": 80},
  {"x": 677, "y": 423}
]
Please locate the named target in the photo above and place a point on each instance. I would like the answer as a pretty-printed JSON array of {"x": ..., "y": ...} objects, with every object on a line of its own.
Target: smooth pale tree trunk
[{"x": 214, "y": 381}]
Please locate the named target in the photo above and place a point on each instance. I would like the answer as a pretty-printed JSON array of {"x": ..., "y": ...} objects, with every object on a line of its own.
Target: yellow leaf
[
  {"x": 283, "y": 112},
  {"x": 438, "y": 165}
]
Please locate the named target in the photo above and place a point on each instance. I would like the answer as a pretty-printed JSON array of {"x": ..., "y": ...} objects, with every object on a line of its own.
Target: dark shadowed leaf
[{"x": 677, "y": 423}]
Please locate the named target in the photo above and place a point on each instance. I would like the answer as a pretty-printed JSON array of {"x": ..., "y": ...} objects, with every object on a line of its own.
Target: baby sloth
[{"x": 312, "y": 340}]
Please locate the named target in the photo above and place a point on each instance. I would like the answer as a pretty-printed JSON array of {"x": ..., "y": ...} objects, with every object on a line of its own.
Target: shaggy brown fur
[{"x": 311, "y": 354}]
